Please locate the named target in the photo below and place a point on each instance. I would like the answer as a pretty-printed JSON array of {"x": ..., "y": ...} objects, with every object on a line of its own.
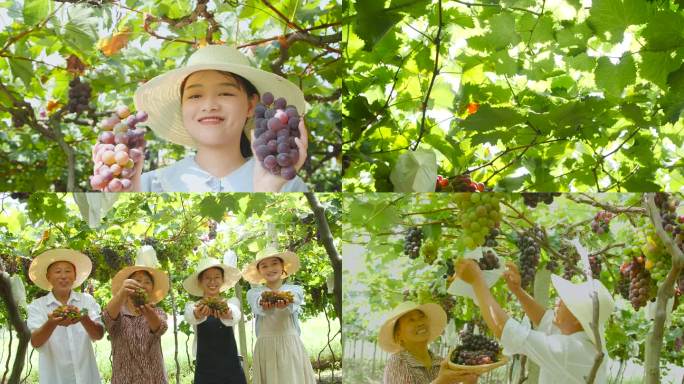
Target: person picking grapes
[
  {"x": 135, "y": 325},
  {"x": 279, "y": 354},
  {"x": 210, "y": 105},
  {"x": 64, "y": 323},
  {"x": 406, "y": 333},
  {"x": 563, "y": 344},
  {"x": 212, "y": 320}
]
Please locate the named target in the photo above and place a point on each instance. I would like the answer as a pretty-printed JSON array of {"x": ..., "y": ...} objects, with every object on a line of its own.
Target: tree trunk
[
  {"x": 23, "y": 332},
  {"x": 542, "y": 284},
  {"x": 175, "y": 335},
  {"x": 326, "y": 239},
  {"x": 241, "y": 329}
]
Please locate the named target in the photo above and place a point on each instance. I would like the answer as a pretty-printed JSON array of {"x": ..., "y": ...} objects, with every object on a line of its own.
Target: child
[
  {"x": 214, "y": 345},
  {"x": 64, "y": 343},
  {"x": 208, "y": 105},
  {"x": 279, "y": 355},
  {"x": 563, "y": 345},
  {"x": 135, "y": 328}
]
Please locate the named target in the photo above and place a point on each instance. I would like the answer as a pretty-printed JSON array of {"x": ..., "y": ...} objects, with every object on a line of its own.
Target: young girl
[
  {"x": 279, "y": 355},
  {"x": 136, "y": 329},
  {"x": 64, "y": 343},
  {"x": 208, "y": 105},
  {"x": 214, "y": 345}
]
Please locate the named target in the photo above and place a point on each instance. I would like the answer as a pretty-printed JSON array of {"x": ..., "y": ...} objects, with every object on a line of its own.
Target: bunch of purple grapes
[
  {"x": 276, "y": 127},
  {"x": 120, "y": 146}
]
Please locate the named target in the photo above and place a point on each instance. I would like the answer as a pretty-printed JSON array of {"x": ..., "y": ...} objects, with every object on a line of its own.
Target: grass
[{"x": 313, "y": 336}]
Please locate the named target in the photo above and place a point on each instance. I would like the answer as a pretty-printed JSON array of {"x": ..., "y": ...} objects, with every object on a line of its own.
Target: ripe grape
[
  {"x": 79, "y": 96},
  {"x": 529, "y": 254},
  {"x": 532, "y": 199},
  {"x": 276, "y": 126},
  {"x": 412, "y": 242},
  {"x": 459, "y": 183},
  {"x": 475, "y": 349},
  {"x": 488, "y": 261},
  {"x": 600, "y": 224},
  {"x": 640, "y": 286}
]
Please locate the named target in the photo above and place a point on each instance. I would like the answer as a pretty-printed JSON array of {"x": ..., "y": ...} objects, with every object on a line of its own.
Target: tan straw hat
[
  {"x": 231, "y": 275},
  {"x": 437, "y": 320},
  {"x": 39, "y": 266},
  {"x": 577, "y": 297},
  {"x": 146, "y": 260},
  {"x": 290, "y": 264},
  {"x": 160, "y": 97}
]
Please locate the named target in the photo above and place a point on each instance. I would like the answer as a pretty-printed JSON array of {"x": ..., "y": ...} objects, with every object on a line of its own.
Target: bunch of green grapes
[
  {"x": 479, "y": 214},
  {"x": 658, "y": 260}
]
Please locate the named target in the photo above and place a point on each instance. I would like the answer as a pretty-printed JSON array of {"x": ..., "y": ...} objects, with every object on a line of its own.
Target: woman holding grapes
[{"x": 406, "y": 333}]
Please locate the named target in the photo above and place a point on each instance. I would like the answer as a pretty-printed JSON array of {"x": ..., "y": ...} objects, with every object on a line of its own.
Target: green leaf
[
  {"x": 35, "y": 11},
  {"x": 614, "y": 78},
  {"x": 502, "y": 31},
  {"x": 373, "y": 22},
  {"x": 656, "y": 66},
  {"x": 212, "y": 208},
  {"x": 488, "y": 118},
  {"x": 613, "y": 16},
  {"x": 664, "y": 31},
  {"x": 22, "y": 69}
]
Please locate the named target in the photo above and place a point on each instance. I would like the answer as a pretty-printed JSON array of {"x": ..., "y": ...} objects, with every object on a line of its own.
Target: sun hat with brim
[
  {"x": 39, "y": 266},
  {"x": 578, "y": 300},
  {"x": 146, "y": 260},
  {"x": 160, "y": 97},
  {"x": 437, "y": 320},
  {"x": 290, "y": 264},
  {"x": 231, "y": 275}
]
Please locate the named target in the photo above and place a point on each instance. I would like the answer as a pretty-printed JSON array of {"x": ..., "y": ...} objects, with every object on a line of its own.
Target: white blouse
[
  {"x": 233, "y": 304},
  {"x": 187, "y": 176},
  {"x": 562, "y": 359},
  {"x": 67, "y": 357}
]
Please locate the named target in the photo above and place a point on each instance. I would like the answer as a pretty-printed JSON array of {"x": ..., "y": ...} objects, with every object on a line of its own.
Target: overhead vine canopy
[
  {"x": 539, "y": 95},
  {"x": 112, "y": 47}
]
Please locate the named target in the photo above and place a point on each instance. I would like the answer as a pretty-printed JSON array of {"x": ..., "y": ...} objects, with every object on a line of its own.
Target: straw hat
[
  {"x": 437, "y": 320},
  {"x": 40, "y": 264},
  {"x": 231, "y": 275},
  {"x": 577, "y": 297},
  {"x": 290, "y": 264},
  {"x": 160, "y": 97},
  {"x": 146, "y": 260}
]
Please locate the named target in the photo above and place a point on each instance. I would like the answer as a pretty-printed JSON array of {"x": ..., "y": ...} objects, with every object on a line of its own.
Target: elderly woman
[
  {"x": 406, "y": 334},
  {"x": 136, "y": 327}
]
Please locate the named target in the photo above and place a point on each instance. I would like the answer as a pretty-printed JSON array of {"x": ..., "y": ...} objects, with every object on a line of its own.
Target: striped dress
[
  {"x": 403, "y": 368},
  {"x": 137, "y": 350}
]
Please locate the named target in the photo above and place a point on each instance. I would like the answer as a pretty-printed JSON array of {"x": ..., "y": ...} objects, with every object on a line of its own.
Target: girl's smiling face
[
  {"x": 211, "y": 281},
  {"x": 215, "y": 107},
  {"x": 271, "y": 269}
]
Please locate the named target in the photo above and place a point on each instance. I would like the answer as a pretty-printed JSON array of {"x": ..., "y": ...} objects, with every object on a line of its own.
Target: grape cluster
[
  {"x": 658, "y": 259},
  {"x": 595, "y": 264},
  {"x": 21, "y": 196},
  {"x": 412, "y": 242},
  {"x": 529, "y": 254},
  {"x": 458, "y": 183},
  {"x": 570, "y": 261},
  {"x": 490, "y": 240},
  {"x": 622, "y": 286},
  {"x": 488, "y": 261},
  {"x": 70, "y": 312},
  {"x": 429, "y": 251},
  {"x": 475, "y": 350},
  {"x": 640, "y": 284},
  {"x": 673, "y": 224},
  {"x": 79, "y": 96},
  {"x": 120, "y": 147},
  {"x": 274, "y": 297},
  {"x": 600, "y": 224},
  {"x": 533, "y": 199},
  {"x": 215, "y": 304},
  {"x": 275, "y": 132},
  {"x": 139, "y": 297},
  {"x": 479, "y": 214},
  {"x": 111, "y": 258}
]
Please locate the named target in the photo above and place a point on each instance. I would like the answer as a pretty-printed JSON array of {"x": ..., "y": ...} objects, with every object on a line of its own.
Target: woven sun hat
[
  {"x": 437, "y": 320},
  {"x": 290, "y": 264},
  {"x": 231, "y": 275},
  {"x": 160, "y": 97},
  {"x": 146, "y": 260},
  {"x": 578, "y": 299},
  {"x": 39, "y": 266}
]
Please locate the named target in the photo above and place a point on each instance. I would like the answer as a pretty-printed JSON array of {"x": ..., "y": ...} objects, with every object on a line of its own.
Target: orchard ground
[{"x": 314, "y": 333}]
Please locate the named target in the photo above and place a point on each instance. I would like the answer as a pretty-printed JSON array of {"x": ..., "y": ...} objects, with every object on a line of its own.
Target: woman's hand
[
  {"x": 266, "y": 305},
  {"x": 201, "y": 311},
  {"x": 447, "y": 375},
  {"x": 281, "y": 304},
  {"x": 226, "y": 315},
  {"x": 61, "y": 321},
  {"x": 468, "y": 271},
  {"x": 512, "y": 276},
  {"x": 128, "y": 287},
  {"x": 264, "y": 180}
]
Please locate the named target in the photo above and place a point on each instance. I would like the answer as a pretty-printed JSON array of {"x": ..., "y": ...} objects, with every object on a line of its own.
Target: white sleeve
[
  {"x": 94, "y": 310},
  {"x": 37, "y": 315},
  {"x": 298, "y": 293},
  {"x": 253, "y": 297},
  {"x": 234, "y": 306},
  {"x": 189, "y": 314}
]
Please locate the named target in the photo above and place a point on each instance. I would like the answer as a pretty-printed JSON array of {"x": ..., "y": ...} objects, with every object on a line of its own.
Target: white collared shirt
[
  {"x": 187, "y": 176},
  {"x": 233, "y": 304},
  {"x": 562, "y": 359},
  {"x": 67, "y": 357}
]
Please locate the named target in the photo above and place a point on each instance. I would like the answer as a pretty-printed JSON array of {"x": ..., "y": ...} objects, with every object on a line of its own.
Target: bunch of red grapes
[
  {"x": 276, "y": 127},
  {"x": 120, "y": 147}
]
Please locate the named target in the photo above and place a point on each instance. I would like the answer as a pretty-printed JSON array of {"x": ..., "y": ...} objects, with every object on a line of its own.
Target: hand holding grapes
[
  {"x": 128, "y": 287},
  {"x": 61, "y": 321},
  {"x": 447, "y": 375},
  {"x": 226, "y": 315},
  {"x": 512, "y": 276},
  {"x": 264, "y": 180},
  {"x": 201, "y": 311},
  {"x": 469, "y": 271}
]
